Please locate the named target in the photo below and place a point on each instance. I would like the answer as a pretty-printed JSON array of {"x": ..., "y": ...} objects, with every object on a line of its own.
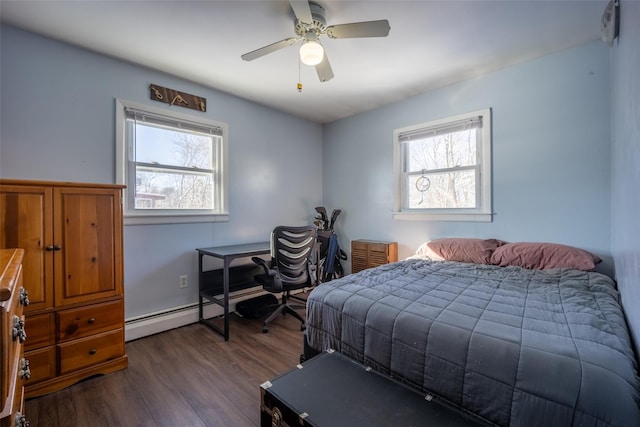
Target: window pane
[
  {"x": 173, "y": 147},
  {"x": 442, "y": 151},
  {"x": 158, "y": 189},
  {"x": 449, "y": 190}
]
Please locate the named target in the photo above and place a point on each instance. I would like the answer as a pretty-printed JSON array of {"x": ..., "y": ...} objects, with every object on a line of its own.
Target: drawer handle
[
  {"x": 24, "y": 296},
  {"x": 91, "y": 320},
  {"x": 25, "y": 369},
  {"x": 93, "y": 351},
  {"x": 18, "y": 332},
  {"x": 21, "y": 420}
]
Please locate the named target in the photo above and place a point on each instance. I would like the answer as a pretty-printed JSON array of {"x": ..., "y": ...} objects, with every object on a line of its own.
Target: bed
[{"x": 517, "y": 346}]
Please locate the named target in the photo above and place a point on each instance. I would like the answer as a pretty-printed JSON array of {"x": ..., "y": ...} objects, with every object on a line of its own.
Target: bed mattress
[{"x": 518, "y": 347}]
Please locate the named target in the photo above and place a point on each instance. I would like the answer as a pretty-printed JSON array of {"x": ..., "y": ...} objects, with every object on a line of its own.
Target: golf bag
[{"x": 329, "y": 253}]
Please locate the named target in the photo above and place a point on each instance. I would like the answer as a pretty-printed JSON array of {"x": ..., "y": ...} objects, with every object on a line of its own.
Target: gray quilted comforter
[{"x": 518, "y": 347}]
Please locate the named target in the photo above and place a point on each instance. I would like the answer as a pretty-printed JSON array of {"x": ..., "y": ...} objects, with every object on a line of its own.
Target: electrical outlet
[{"x": 182, "y": 281}]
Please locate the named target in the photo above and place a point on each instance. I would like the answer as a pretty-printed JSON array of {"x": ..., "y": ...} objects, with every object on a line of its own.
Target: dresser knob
[
  {"x": 17, "y": 331},
  {"x": 21, "y": 420},
  {"x": 24, "y": 296},
  {"x": 25, "y": 369},
  {"x": 93, "y": 351},
  {"x": 91, "y": 320}
]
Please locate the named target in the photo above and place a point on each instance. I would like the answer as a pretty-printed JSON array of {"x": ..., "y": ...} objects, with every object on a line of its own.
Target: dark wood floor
[{"x": 184, "y": 377}]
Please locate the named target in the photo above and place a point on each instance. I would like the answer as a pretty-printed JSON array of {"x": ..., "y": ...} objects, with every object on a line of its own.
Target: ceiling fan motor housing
[{"x": 317, "y": 27}]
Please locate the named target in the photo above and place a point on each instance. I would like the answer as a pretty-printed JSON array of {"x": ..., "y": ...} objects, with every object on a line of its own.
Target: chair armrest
[
  {"x": 271, "y": 273},
  {"x": 262, "y": 263}
]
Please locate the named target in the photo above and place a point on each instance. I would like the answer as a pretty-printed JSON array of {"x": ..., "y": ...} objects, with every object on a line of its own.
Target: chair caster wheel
[{"x": 265, "y": 329}]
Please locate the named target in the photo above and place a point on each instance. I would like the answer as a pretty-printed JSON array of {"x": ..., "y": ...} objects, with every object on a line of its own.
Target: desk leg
[{"x": 225, "y": 282}]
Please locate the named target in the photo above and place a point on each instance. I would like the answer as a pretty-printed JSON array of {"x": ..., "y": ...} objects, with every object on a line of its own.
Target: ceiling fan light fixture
[{"x": 311, "y": 52}]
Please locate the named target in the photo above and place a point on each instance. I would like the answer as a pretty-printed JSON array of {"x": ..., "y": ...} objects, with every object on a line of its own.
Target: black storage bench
[{"x": 331, "y": 390}]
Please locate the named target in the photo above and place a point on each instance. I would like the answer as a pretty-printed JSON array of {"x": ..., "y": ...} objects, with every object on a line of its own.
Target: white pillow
[{"x": 425, "y": 252}]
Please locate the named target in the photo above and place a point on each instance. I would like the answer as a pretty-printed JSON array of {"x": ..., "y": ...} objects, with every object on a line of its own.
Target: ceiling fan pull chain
[{"x": 299, "y": 79}]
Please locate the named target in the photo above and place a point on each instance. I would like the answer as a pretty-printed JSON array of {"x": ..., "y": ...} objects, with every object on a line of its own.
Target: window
[
  {"x": 443, "y": 169},
  {"x": 172, "y": 164}
]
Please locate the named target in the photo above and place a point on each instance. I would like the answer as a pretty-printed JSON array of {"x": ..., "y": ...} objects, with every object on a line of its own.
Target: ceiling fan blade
[
  {"x": 325, "y": 73},
  {"x": 359, "y": 29},
  {"x": 268, "y": 49},
  {"x": 302, "y": 10}
]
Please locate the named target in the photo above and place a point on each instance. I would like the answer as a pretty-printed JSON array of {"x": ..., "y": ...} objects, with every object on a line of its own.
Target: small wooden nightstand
[{"x": 371, "y": 253}]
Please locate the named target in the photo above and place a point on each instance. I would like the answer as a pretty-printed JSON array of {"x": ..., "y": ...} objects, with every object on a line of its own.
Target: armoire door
[
  {"x": 88, "y": 265},
  {"x": 26, "y": 222}
]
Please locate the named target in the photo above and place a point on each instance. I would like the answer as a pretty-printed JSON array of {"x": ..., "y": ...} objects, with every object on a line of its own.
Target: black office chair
[{"x": 290, "y": 268}]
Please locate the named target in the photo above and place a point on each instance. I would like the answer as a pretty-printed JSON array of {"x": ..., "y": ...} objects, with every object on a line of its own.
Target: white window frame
[
  {"x": 483, "y": 210},
  {"x": 124, "y": 175}
]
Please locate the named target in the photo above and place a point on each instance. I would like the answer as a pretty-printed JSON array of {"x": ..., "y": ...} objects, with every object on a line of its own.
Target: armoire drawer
[
  {"x": 83, "y": 352},
  {"x": 42, "y": 364},
  {"x": 41, "y": 331},
  {"x": 84, "y": 321}
]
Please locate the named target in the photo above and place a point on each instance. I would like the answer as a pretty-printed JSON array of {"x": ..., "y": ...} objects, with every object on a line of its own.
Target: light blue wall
[
  {"x": 625, "y": 163},
  {"x": 553, "y": 168},
  {"x": 551, "y": 132},
  {"x": 57, "y": 123}
]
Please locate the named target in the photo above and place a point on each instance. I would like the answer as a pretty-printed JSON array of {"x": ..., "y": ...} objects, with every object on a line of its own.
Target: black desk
[{"x": 227, "y": 254}]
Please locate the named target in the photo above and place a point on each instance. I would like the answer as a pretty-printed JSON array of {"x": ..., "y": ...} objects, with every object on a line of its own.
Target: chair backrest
[{"x": 291, "y": 248}]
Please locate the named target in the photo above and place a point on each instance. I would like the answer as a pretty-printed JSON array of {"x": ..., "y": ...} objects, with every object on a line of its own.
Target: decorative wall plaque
[{"x": 174, "y": 97}]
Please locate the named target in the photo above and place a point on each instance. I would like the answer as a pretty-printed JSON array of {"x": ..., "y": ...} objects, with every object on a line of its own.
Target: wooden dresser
[
  {"x": 371, "y": 253},
  {"x": 71, "y": 234},
  {"x": 15, "y": 368}
]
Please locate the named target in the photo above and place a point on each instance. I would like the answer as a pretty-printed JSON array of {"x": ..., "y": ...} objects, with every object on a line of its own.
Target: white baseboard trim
[{"x": 160, "y": 321}]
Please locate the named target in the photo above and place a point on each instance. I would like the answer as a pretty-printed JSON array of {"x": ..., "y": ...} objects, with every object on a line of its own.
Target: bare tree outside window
[
  {"x": 174, "y": 168},
  {"x": 173, "y": 165},
  {"x": 445, "y": 165}
]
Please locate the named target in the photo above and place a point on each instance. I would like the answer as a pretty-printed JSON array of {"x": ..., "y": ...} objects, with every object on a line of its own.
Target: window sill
[
  {"x": 173, "y": 219},
  {"x": 464, "y": 217}
]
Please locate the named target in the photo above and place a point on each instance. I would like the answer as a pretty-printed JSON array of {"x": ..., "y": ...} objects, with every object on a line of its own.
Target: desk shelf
[{"x": 240, "y": 278}]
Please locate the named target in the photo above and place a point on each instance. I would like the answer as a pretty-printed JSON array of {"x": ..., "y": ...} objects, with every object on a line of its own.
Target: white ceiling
[{"x": 431, "y": 43}]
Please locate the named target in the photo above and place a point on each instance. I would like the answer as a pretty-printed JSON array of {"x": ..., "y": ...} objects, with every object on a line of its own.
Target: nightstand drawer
[
  {"x": 379, "y": 254},
  {"x": 370, "y": 253},
  {"x": 90, "y": 351},
  {"x": 89, "y": 320}
]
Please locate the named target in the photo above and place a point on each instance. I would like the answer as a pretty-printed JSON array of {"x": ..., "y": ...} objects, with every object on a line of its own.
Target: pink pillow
[
  {"x": 542, "y": 256},
  {"x": 477, "y": 251}
]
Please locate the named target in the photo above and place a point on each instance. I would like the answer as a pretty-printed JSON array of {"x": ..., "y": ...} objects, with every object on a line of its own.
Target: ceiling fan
[{"x": 309, "y": 25}]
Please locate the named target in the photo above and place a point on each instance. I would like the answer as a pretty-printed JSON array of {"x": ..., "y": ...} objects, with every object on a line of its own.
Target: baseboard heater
[{"x": 164, "y": 320}]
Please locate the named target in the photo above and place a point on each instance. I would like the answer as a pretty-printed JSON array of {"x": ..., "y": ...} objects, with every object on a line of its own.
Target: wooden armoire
[{"x": 71, "y": 234}]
